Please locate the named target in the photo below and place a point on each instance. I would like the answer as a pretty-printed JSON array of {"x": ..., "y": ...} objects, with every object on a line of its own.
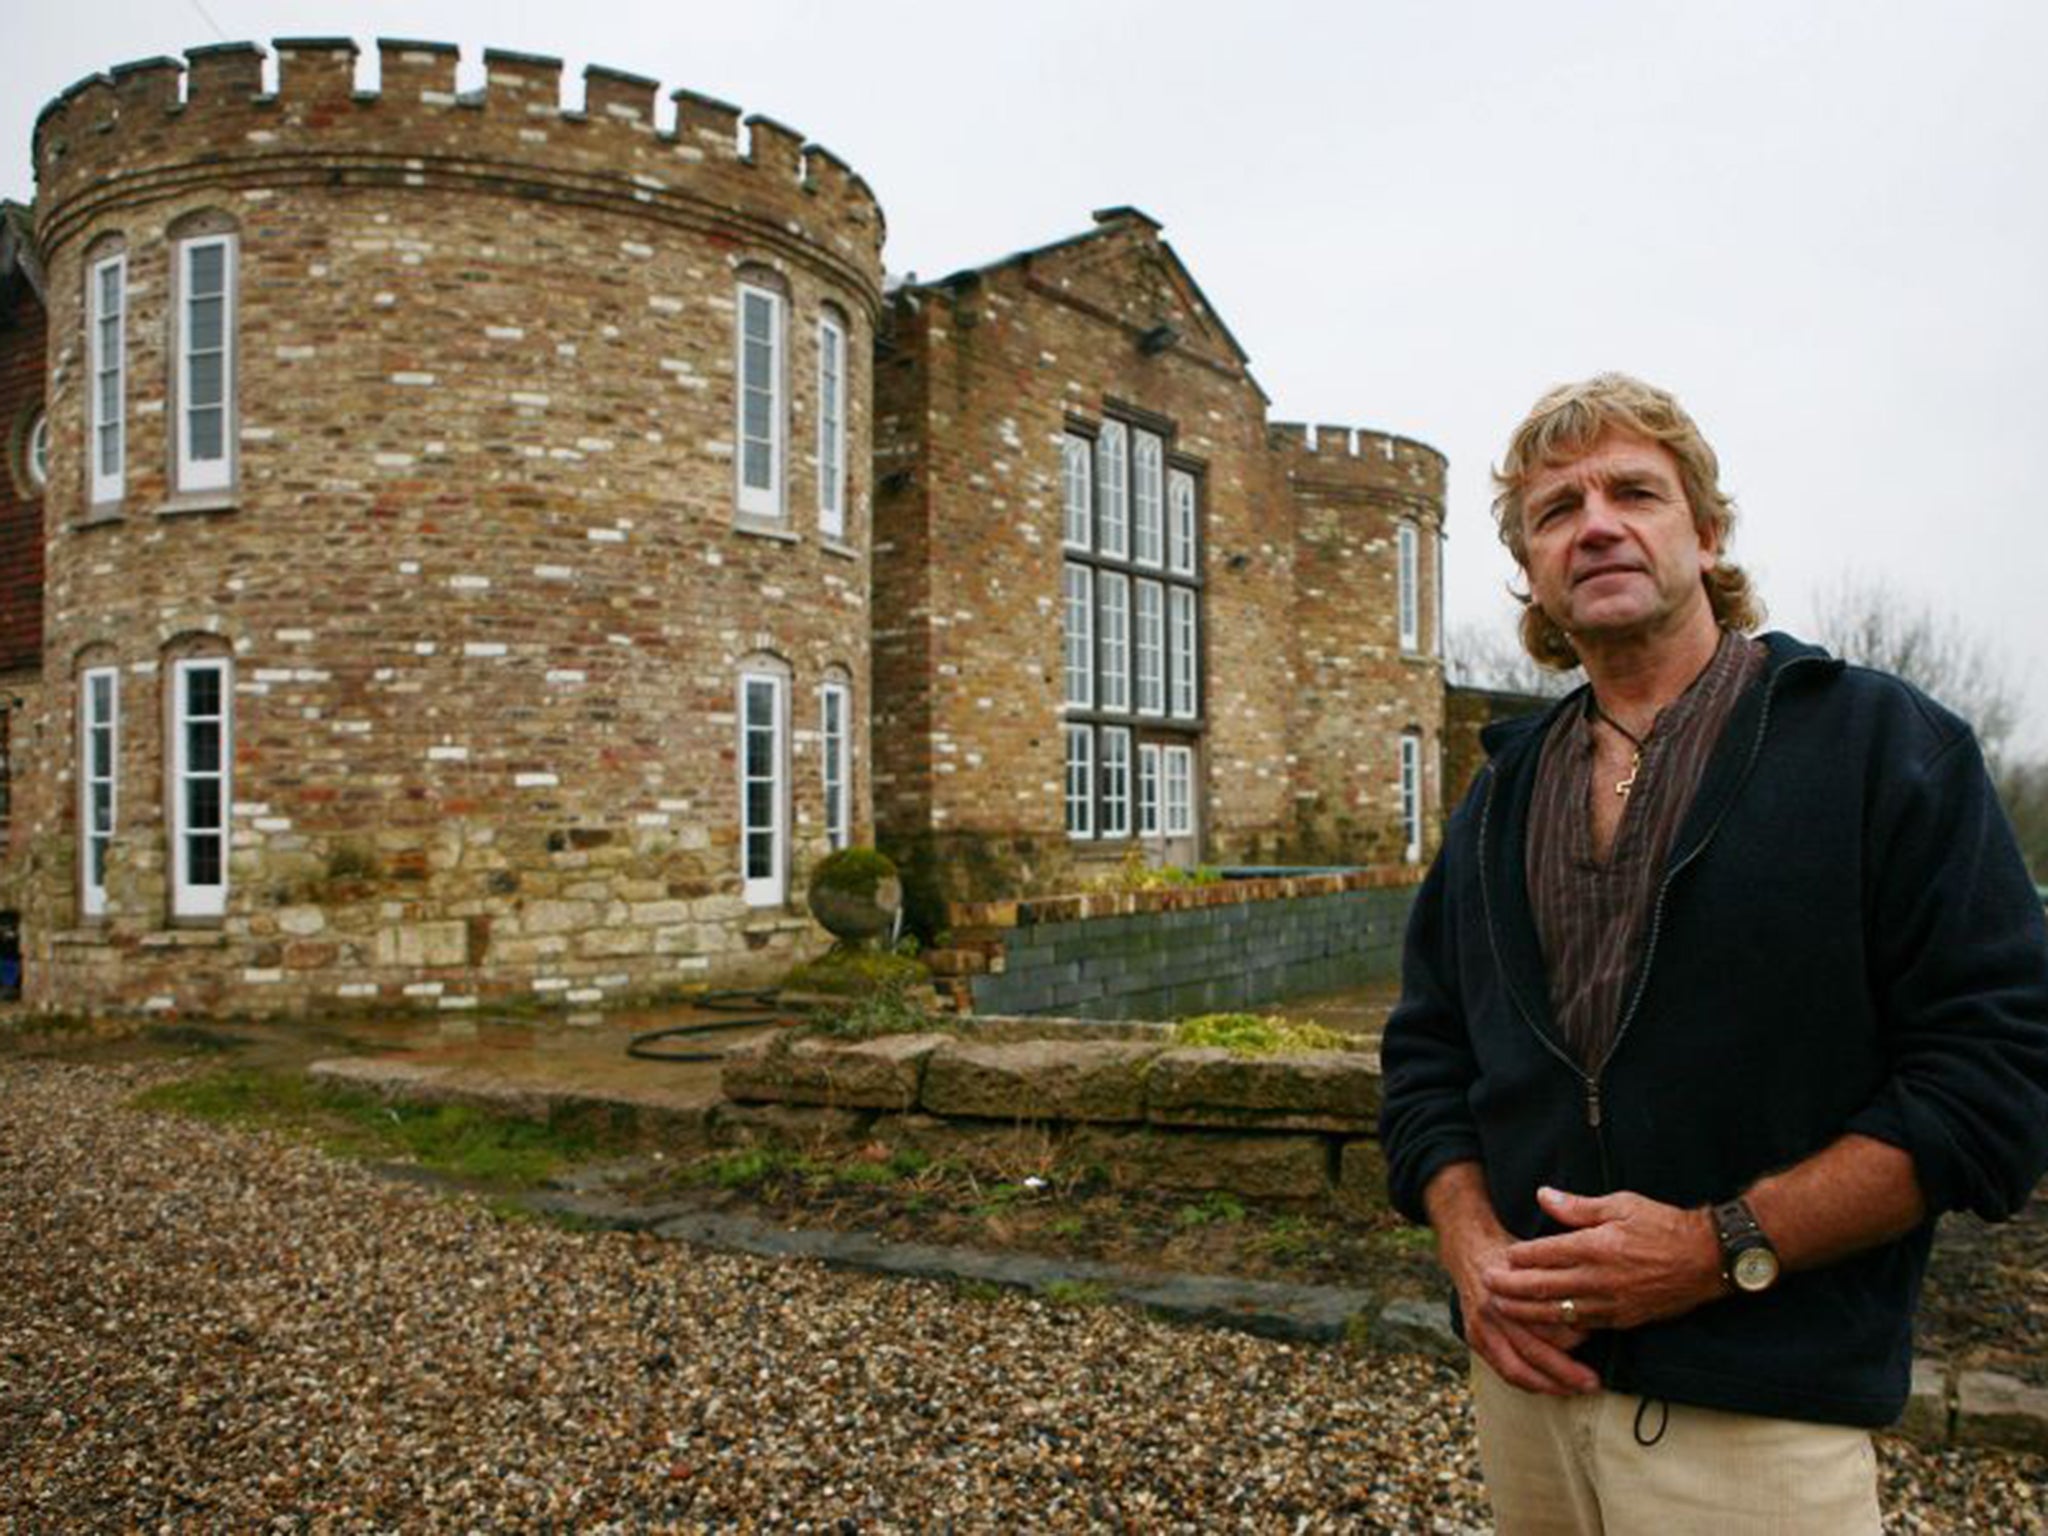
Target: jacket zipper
[{"x": 1591, "y": 1080}]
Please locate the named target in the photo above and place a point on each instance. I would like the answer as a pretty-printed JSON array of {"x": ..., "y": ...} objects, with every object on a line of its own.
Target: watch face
[{"x": 1755, "y": 1269}]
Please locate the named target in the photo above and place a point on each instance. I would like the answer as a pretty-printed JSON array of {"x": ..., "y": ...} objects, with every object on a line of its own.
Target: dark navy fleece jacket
[{"x": 1845, "y": 939}]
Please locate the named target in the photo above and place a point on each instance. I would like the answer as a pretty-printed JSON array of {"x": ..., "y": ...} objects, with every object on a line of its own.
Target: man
[{"x": 1727, "y": 981}]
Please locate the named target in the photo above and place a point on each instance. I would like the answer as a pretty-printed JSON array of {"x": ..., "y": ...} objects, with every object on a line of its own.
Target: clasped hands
[{"x": 1625, "y": 1260}]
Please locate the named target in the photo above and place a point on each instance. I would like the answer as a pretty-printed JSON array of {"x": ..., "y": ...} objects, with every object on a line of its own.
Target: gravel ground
[{"x": 207, "y": 1330}]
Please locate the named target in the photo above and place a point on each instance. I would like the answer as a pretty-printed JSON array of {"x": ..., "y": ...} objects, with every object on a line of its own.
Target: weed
[
  {"x": 1066, "y": 1226},
  {"x": 1076, "y": 1293},
  {"x": 1216, "y": 1206},
  {"x": 977, "y": 1290},
  {"x": 857, "y": 972},
  {"x": 748, "y": 1166},
  {"x": 1133, "y": 873},
  {"x": 886, "y": 1010}
]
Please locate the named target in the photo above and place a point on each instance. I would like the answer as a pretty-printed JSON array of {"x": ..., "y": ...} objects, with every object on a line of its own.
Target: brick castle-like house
[{"x": 459, "y": 549}]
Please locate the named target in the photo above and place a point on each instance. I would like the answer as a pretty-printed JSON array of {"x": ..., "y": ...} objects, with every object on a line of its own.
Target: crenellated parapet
[
  {"x": 155, "y": 129},
  {"x": 1336, "y": 460}
]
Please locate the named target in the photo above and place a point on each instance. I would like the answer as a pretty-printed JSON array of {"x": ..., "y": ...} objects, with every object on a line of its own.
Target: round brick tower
[
  {"x": 458, "y": 535},
  {"x": 1367, "y": 732}
]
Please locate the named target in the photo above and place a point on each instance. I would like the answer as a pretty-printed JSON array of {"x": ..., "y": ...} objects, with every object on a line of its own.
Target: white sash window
[
  {"x": 760, "y": 368},
  {"x": 831, "y": 428},
  {"x": 201, "y": 747},
  {"x": 1148, "y": 502},
  {"x": 764, "y": 812},
  {"x": 206, "y": 363},
  {"x": 99, "y": 745},
  {"x": 107, "y": 420},
  {"x": 1409, "y": 587},
  {"x": 835, "y": 744}
]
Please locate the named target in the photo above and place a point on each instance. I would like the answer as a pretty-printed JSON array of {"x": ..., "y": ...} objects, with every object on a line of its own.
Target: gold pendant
[{"x": 1623, "y": 786}]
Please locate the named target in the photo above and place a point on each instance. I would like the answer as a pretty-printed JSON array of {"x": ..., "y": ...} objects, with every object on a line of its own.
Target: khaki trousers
[{"x": 1574, "y": 1466}]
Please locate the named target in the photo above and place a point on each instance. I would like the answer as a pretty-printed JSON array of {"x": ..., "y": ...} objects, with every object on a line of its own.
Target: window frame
[
  {"x": 189, "y": 473},
  {"x": 836, "y": 762},
  {"x": 1114, "y": 782},
  {"x": 1182, "y": 541},
  {"x": 1077, "y": 644},
  {"x": 1408, "y": 585},
  {"x": 1177, "y": 771},
  {"x": 92, "y": 893},
  {"x": 1113, "y": 491},
  {"x": 1077, "y": 474},
  {"x": 1149, "y": 789},
  {"x": 1148, "y": 500},
  {"x": 1079, "y": 791},
  {"x": 1148, "y": 701},
  {"x": 1411, "y": 797},
  {"x": 35, "y": 453},
  {"x": 1183, "y": 653},
  {"x": 191, "y": 898},
  {"x": 763, "y": 501},
  {"x": 832, "y": 371},
  {"x": 106, "y": 486},
  {"x": 1113, "y": 642},
  {"x": 770, "y": 889}
]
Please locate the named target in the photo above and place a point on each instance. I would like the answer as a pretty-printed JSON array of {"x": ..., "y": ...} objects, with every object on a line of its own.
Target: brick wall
[
  {"x": 1467, "y": 712},
  {"x": 479, "y": 572},
  {"x": 1305, "y": 689}
]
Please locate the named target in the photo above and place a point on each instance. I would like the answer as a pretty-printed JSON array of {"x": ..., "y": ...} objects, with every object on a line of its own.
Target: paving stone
[
  {"x": 868, "y": 1074},
  {"x": 1314, "y": 1091},
  {"x": 1993, "y": 1409},
  {"x": 1039, "y": 1080}
]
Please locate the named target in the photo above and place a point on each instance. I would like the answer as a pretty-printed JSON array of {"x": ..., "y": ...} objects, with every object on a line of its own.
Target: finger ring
[{"x": 1568, "y": 1311}]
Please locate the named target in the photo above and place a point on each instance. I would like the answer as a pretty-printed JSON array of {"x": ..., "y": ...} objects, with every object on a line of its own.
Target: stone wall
[
  {"x": 1171, "y": 953},
  {"x": 479, "y": 571},
  {"x": 1152, "y": 1115}
]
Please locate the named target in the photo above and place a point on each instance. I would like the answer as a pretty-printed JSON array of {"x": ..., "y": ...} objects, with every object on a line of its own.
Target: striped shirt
[{"x": 1592, "y": 915}]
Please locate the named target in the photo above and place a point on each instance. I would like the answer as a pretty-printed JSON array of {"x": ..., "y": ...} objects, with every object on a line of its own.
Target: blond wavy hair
[{"x": 1563, "y": 426}]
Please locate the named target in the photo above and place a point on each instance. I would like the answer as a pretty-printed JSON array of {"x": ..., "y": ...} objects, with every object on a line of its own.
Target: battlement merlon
[
  {"x": 210, "y": 113},
  {"x": 1337, "y": 454}
]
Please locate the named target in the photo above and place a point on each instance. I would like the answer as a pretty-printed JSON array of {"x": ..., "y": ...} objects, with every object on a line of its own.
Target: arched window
[
  {"x": 764, "y": 780},
  {"x": 760, "y": 370},
  {"x": 106, "y": 407},
  {"x": 99, "y": 771},
  {"x": 198, "y": 775},
  {"x": 203, "y": 275}
]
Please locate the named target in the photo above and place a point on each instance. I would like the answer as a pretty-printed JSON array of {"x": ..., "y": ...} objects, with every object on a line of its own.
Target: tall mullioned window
[
  {"x": 99, "y": 743},
  {"x": 107, "y": 411},
  {"x": 1131, "y": 628},
  {"x": 201, "y": 746},
  {"x": 831, "y": 427},
  {"x": 835, "y": 748},
  {"x": 761, "y": 402},
  {"x": 1408, "y": 585},
  {"x": 1411, "y": 797},
  {"x": 205, "y": 378},
  {"x": 764, "y": 789}
]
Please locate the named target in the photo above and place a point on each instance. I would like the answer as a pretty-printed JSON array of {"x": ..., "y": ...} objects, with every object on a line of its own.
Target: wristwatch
[{"x": 1748, "y": 1261}]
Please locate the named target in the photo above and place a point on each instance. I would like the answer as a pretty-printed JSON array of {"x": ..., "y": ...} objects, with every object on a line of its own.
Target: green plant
[
  {"x": 1216, "y": 1206},
  {"x": 887, "y": 1010},
  {"x": 1076, "y": 1293},
  {"x": 1067, "y": 1226},
  {"x": 1248, "y": 1034},
  {"x": 1133, "y": 873}
]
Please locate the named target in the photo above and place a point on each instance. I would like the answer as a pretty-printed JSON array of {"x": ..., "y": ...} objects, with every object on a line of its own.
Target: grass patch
[
  {"x": 460, "y": 1140},
  {"x": 1248, "y": 1034},
  {"x": 887, "y": 1010}
]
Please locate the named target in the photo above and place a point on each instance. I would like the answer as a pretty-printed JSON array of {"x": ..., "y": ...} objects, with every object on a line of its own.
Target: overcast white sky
[{"x": 1825, "y": 225}]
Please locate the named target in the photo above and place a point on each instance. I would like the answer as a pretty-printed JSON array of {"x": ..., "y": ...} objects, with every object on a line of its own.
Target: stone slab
[
  {"x": 1993, "y": 1409},
  {"x": 883, "y": 1073},
  {"x": 1088, "y": 1080},
  {"x": 1316, "y": 1091},
  {"x": 1927, "y": 1413},
  {"x": 1259, "y": 1166}
]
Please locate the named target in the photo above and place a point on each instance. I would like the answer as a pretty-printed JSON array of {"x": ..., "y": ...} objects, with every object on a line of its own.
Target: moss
[
  {"x": 853, "y": 872},
  {"x": 856, "y": 972},
  {"x": 1247, "y": 1034}
]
